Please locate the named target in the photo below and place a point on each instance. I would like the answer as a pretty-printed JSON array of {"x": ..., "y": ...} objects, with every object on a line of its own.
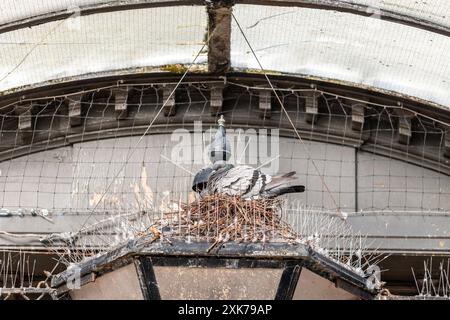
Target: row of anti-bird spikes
[
  {"x": 332, "y": 236},
  {"x": 431, "y": 287},
  {"x": 16, "y": 270},
  {"x": 18, "y": 278},
  {"x": 322, "y": 232}
]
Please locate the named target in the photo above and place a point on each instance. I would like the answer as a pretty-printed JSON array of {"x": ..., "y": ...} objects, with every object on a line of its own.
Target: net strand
[
  {"x": 341, "y": 214},
  {"x": 150, "y": 125}
]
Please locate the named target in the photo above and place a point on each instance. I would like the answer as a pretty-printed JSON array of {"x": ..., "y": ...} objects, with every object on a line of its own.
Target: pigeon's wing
[
  {"x": 242, "y": 181},
  {"x": 282, "y": 185},
  {"x": 236, "y": 175},
  {"x": 258, "y": 183},
  {"x": 281, "y": 180},
  {"x": 214, "y": 181},
  {"x": 237, "y": 181}
]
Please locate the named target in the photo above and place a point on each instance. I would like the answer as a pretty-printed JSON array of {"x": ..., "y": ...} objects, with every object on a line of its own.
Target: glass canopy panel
[
  {"x": 13, "y": 10},
  {"x": 217, "y": 283},
  {"x": 436, "y": 11},
  {"x": 120, "y": 284},
  {"x": 105, "y": 42},
  {"x": 344, "y": 47},
  {"x": 311, "y": 286}
]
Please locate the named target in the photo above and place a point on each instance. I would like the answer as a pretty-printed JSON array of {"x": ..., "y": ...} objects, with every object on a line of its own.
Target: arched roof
[{"x": 397, "y": 46}]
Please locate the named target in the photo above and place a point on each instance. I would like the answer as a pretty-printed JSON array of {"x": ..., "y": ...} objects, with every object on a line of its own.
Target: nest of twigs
[{"x": 221, "y": 218}]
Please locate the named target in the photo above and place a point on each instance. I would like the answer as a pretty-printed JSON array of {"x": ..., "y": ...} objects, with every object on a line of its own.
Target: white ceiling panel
[
  {"x": 344, "y": 47},
  {"x": 101, "y": 43}
]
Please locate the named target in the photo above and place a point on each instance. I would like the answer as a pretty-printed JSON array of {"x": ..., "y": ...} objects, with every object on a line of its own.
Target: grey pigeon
[
  {"x": 249, "y": 183},
  {"x": 219, "y": 152},
  {"x": 242, "y": 181}
]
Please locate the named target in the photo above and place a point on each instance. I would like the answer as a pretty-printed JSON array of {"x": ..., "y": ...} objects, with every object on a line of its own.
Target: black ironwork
[
  {"x": 147, "y": 279},
  {"x": 288, "y": 282}
]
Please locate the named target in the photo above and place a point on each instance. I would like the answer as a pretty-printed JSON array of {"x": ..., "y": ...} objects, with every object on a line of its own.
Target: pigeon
[
  {"x": 219, "y": 152},
  {"x": 249, "y": 183},
  {"x": 244, "y": 181}
]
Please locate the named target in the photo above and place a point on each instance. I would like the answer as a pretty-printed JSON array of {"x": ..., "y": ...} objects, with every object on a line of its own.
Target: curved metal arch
[
  {"x": 136, "y": 126},
  {"x": 358, "y": 9},
  {"x": 26, "y": 91},
  {"x": 335, "y": 5},
  {"x": 111, "y": 6}
]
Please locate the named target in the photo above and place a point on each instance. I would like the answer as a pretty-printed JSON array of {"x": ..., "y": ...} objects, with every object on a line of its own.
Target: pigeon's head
[
  {"x": 220, "y": 147},
  {"x": 201, "y": 179},
  {"x": 219, "y": 165}
]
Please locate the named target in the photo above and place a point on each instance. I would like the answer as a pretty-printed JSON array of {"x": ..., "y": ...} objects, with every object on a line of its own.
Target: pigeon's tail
[
  {"x": 279, "y": 191},
  {"x": 282, "y": 180}
]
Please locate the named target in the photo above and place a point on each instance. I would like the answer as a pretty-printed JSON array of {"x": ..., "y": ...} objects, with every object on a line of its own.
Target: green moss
[
  {"x": 259, "y": 71},
  {"x": 174, "y": 68}
]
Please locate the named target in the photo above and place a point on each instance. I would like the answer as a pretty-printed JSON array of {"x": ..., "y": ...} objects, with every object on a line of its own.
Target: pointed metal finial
[
  {"x": 220, "y": 146},
  {"x": 221, "y": 121}
]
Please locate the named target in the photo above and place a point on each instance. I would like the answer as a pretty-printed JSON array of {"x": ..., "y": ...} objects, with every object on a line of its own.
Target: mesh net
[
  {"x": 103, "y": 166},
  {"x": 52, "y": 166},
  {"x": 85, "y": 157}
]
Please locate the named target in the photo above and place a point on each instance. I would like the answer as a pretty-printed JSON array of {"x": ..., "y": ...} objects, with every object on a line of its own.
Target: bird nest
[{"x": 221, "y": 218}]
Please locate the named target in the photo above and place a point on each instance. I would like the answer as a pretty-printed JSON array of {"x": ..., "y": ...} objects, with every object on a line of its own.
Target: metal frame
[
  {"x": 288, "y": 282},
  {"x": 147, "y": 279},
  {"x": 285, "y": 289},
  {"x": 237, "y": 255},
  {"x": 23, "y": 292}
]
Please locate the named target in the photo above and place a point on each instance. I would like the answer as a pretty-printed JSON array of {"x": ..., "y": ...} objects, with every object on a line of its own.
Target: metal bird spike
[
  {"x": 17, "y": 279},
  {"x": 428, "y": 288},
  {"x": 23, "y": 274}
]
